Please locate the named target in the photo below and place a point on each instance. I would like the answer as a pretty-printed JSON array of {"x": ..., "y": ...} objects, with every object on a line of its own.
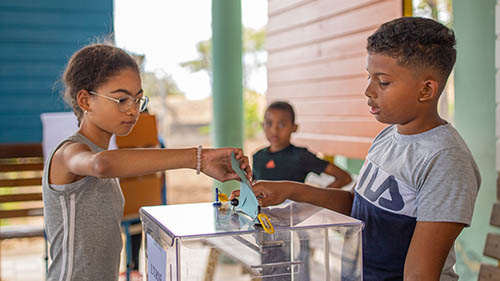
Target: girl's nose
[{"x": 133, "y": 110}]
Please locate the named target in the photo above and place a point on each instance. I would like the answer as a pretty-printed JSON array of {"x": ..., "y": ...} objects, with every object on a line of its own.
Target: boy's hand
[
  {"x": 268, "y": 193},
  {"x": 216, "y": 163}
]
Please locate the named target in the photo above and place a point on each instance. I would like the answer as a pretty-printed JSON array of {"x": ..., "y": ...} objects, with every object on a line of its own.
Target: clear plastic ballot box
[{"x": 203, "y": 242}]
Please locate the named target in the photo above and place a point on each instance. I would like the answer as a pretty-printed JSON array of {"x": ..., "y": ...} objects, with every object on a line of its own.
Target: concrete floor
[{"x": 22, "y": 260}]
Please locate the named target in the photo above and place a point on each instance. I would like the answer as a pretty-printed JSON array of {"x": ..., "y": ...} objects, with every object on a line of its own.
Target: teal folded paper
[{"x": 248, "y": 202}]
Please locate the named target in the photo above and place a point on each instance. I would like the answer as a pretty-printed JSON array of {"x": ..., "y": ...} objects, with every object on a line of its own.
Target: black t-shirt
[{"x": 292, "y": 163}]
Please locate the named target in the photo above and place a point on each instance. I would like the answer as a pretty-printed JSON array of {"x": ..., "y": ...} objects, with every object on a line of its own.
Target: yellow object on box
[
  {"x": 223, "y": 197},
  {"x": 266, "y": 223}
]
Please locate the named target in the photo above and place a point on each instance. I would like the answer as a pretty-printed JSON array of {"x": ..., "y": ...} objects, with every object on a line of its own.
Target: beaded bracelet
[{"x": 198, "y": 160}]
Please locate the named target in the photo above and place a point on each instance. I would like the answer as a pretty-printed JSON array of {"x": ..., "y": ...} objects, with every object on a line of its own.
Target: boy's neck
[
  {"x": 420, "y": 126},
  {"x": 278, "y": 148}
]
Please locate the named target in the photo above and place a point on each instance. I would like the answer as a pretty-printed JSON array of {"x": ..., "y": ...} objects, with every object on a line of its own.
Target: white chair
[{"x": 57, "y": 126}]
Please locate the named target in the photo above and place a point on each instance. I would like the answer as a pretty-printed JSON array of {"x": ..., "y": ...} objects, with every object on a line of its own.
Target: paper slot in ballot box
[{"x": 185, "y": 242}]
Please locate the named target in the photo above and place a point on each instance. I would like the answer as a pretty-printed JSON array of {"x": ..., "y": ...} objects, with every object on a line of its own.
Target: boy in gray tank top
[{"x": 83, "y": 202}]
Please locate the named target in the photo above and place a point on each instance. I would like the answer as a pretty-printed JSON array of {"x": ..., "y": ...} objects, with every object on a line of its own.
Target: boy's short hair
[
  {"x": 283, "y": 105},
  {"x": 417, "y": 43}
]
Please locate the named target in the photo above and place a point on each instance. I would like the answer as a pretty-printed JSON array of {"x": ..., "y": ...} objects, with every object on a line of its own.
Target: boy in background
[
  {"x": 284, "y": 161},
  {"x": 281, "y": 160}
]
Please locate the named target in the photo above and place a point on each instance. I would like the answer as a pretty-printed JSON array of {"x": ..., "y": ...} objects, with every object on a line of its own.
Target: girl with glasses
[{"x": 83, "y": 202}]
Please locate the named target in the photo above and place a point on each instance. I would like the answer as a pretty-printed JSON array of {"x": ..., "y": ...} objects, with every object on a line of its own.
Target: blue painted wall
[{"x": 36, "y": 40}]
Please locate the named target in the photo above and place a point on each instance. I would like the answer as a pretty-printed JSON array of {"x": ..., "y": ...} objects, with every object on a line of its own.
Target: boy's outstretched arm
[
  {"x": 341, "y": 177},
  {"x": 429, "y": 247},
  {"x": 275, "y": 192}
]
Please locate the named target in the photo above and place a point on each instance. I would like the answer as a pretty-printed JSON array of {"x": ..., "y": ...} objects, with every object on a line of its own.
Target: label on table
[{"x": 157, "y": 260}]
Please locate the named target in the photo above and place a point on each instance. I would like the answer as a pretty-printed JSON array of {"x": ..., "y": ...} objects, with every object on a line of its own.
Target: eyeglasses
[{"x": 125, "y": 103}]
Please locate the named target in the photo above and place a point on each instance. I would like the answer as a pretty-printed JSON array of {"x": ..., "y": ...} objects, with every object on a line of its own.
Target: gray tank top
[{"x": 82, "y": 221}]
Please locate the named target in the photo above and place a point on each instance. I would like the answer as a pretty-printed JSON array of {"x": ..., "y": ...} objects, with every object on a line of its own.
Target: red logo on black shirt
[{"x": 270, "y": 164}]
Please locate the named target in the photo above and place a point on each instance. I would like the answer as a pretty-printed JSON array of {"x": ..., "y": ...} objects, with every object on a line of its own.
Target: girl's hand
[
  {"x": 216, "y": 163},
  {"x": 268, "y": 193}
]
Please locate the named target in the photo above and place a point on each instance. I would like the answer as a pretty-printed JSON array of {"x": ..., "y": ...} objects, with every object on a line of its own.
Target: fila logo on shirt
[{"x": 386, "y": 191}]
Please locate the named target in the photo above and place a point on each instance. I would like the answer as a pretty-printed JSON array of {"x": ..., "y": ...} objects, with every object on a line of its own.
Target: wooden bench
[
  {"x": 21, "y": 169},
  {"x": 488, "y": 272}
]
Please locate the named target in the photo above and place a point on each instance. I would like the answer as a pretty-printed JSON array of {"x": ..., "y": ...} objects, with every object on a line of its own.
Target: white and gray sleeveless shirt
[{"x": 82, "y": 221}]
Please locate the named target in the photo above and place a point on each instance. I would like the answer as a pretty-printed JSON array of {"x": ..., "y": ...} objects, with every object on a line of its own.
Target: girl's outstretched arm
[{"x": 80, "y": 161}]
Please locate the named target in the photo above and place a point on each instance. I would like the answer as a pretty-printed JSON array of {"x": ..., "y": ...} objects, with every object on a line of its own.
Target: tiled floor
[{"x": 22, "y": 260}]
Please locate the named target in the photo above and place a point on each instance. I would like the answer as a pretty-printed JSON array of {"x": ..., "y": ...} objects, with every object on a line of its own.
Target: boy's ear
[
  {"x": 82, "y": 98},
  {"x": 429, "y": 91},
  {"x": 294, "y": 128}
]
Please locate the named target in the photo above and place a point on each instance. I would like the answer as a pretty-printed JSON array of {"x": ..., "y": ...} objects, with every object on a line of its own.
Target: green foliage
[
  {"x": 205, "y": 130},
  {"x": 252, "y": 116},
  {"x": 253, "y": 44},
  {"x": 440, "y": 10},
  {"x": 154, "y": 85},
  {"x": 253, "y": 40},
  {"x": 204, "y": 62}
]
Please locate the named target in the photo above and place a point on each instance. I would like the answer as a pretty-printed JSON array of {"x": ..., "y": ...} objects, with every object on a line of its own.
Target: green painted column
[
  {"x": 474, "y": 25},
  {"x": 351, "y": 165},
  {"x": 227, "y": 87}
]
